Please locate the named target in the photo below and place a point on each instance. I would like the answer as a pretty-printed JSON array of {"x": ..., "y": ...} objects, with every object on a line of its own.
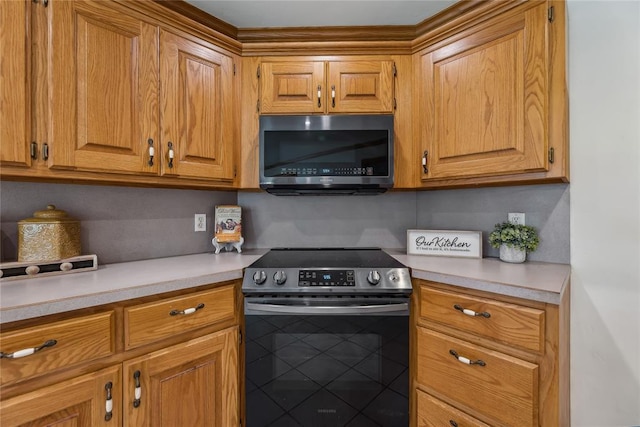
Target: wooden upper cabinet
[
  {"x": 105, "y": 88},
  {"x": 197, "y": 106},
  {"x": 15, "y": 88},
  {"x": 293, "y": 87},
  {"x": 360, "y": 87},
  {"x": 484, "y": 99},
  {"x": 317, "y": 87}
]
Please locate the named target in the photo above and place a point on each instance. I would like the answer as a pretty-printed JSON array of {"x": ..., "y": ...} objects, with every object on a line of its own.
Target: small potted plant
[{"x": 514, "y": 241}]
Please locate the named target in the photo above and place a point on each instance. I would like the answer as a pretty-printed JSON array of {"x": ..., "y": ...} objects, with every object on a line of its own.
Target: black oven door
[{"x": 327, "y": 362}]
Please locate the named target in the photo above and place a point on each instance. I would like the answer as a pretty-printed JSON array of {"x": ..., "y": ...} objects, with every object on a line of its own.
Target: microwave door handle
[{"x": 329, "y": 309}]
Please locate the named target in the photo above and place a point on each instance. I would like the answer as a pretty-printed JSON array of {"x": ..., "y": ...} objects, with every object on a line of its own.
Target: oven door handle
[{"x": 328, "y": 309}]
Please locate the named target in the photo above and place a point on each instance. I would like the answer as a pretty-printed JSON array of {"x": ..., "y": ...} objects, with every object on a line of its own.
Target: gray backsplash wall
[
  {"x": 116, "y": 223},
  {"x": 382, "y": 220},
  {"x": 124, "y": 224},
  {"x": 546, "y": 207}
]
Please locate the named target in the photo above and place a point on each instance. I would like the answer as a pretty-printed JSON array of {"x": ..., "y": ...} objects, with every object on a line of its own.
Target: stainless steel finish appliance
[
  {"x": 331, "y": 154},
  {"x": 327, "y": 338}
]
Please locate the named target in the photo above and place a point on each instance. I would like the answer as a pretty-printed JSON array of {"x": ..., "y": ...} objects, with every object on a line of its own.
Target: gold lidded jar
[{"x": 49, "y": 236}]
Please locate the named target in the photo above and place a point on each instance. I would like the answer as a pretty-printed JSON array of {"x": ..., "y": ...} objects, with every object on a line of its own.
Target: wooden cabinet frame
[{"x": 207, "y": 354}]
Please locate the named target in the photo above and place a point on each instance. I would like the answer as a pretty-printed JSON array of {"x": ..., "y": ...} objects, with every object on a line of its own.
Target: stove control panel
[{"x": 326, "y": 278}]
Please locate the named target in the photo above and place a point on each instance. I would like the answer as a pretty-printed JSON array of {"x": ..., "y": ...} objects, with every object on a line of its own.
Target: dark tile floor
[{"x": 327, "y": 371}]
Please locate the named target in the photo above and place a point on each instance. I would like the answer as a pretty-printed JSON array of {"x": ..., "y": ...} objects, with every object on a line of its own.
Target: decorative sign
[{"x": 461, "y": 244}]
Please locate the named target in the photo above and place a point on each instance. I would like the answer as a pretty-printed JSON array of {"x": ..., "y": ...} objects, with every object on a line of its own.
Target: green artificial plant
[{"x": 519, "y": 236}]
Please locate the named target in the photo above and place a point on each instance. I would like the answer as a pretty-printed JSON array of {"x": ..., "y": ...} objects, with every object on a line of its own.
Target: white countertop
[
  {"x": 28, "y": 298},
  {"x": 538, "y": 281}
]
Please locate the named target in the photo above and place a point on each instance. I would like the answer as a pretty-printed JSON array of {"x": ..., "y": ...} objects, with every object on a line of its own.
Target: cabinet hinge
[
  {"x": 258, "y": 72},
  {"x": 235, "y": 171},
  {"x": 551, "y": 155},
  {"x": 551, "y": 14},
  {"x": 258, "y": 106},
  {"x": 234, "y": 69},
  {"x": 395, "y": 104},
  {"x": 239, "y": 337},
  {"x": 395, "y": 70}
]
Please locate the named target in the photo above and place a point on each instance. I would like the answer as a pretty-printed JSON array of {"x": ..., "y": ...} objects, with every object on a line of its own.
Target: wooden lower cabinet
[
  {"x": 488, "y": 359},
  {"x": 433, "y": 412},
  {"x": 194, "y": 383},
  {"x": 185, "y": 372},
  {"x": 80, "y": 402}
]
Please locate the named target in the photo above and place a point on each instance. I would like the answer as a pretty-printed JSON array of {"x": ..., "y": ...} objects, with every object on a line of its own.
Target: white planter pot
[{"x": 514, "y": 255}]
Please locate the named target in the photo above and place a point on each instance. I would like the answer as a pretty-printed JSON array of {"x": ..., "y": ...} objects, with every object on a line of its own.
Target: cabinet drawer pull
[
  {"x": 319, "y": 96},
  {"x": 424, "y": 161},
  {"x": 108, "y": 402},
  {"x": 171, "y": 154},
  {"x": 186, "y": 311},
  {"x": 152, "y": 151},
  {"x": 465, "y": 360},
  {"x": 333, "y": 96},
  {"x": 27, "y": 351},
  {"x": 33, "y": 150},
  {"x": 471, "y": 312},
  {"x": 137, "y": 392},
  {"x": 453, "y": 423}
]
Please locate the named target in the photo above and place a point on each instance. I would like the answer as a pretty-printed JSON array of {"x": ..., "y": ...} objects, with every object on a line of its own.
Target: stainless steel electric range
[{"x": 327, "y": 338}]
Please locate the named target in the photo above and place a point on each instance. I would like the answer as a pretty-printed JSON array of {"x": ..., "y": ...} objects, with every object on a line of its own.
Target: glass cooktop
[{"x": 326, "y": 258}]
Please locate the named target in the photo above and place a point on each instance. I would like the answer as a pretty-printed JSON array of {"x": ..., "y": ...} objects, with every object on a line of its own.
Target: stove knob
[
  {"x": 373, "y": 277},
  {"x": 259, "y": 277},
  {"x": 279, "y": 277}
]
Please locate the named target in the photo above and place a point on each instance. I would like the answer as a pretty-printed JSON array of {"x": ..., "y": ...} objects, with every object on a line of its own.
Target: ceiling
[{"x": 313, "y": 13}]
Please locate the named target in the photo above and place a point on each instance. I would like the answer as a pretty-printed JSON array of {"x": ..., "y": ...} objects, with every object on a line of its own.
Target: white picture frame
[{"x": 447, "y": 243}]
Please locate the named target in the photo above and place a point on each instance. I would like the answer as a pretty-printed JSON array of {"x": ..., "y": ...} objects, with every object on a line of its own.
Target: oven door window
[{"x": 327, "y": 370}]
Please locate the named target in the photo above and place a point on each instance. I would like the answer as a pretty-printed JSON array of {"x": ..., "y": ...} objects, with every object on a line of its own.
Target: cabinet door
[
  {"x": 360, "y": 87},
  {"x": 293, "y": 87},
  {"x": 189, "y": 384},
  {"x": 15, "y": 88},
  {"x": 104, "y": 71},
  {"x": 197, "y": 106},
  {"x": 81, "y": 402},
  {"x": 484, "y": 100}
]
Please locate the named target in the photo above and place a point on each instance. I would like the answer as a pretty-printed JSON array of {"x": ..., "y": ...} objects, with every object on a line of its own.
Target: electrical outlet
[
  {"x": 516, "y": 218},
  {"x": 200, "y": 223}
]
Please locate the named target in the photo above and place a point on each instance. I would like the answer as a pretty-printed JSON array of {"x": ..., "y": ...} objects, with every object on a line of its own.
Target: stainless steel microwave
[{"x": 326, "y": 154}]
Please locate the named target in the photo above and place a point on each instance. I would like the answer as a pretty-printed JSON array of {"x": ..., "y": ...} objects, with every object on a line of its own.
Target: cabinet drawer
[
  {"x": 76, "y": 340},
  {"x": 509, "y": 323},
  {"x": 150, "y": 322},
  {"x": 435, "y": 413},
  {"x": 504, "y": 388}
]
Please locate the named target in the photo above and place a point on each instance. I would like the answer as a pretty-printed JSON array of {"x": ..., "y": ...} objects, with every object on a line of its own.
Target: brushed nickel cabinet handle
[
  {"x": 472, "y": 313},
  {"x": 319, "y": 96},
  {"x": 27, "y": 351},
  {"x": 187, "y": 310},
  {"x": 33, "y": 150}
]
